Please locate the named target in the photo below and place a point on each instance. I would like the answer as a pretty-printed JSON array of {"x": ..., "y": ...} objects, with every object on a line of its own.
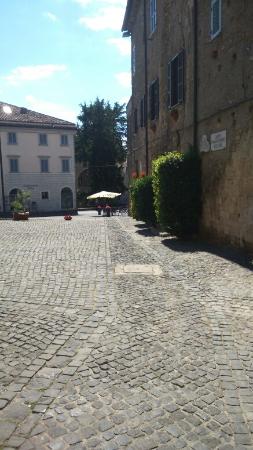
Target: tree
[{"x": 101, "y": 142}]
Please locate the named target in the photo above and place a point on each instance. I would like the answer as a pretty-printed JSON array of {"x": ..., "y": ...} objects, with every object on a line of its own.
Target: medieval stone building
[{"x": 192, "y": 86}]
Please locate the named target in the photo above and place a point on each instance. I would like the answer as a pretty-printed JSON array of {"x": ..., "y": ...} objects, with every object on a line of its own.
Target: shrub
[
  {"x": 177, "y": 192},
  {"x": 142, "y": 205},
  {"x": 21, "y": 202}
]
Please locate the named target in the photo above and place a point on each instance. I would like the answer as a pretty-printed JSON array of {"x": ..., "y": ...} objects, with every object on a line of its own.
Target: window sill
[{"x": 214, "y": 36}]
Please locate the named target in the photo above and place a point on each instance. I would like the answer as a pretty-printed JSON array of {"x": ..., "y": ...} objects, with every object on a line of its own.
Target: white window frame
[
  {"x": 153, "y": 15},
  {"x": 41, "y": 140},
  {"x": 44, "y": 159},
  {"x": 13, "y": 158},
  {"x": 216, "y": 33},
  {"x": 64, "y": 140},
  {"x": 69, "y": 165},
  {"x": 10, "y": 137}
]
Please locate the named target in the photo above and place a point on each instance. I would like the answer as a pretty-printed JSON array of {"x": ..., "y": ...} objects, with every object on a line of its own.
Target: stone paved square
[{"x": 154, "y": 355}]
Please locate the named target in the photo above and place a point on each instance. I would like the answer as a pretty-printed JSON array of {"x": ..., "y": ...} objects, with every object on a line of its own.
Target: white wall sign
[{"x": 219, "y": 140}]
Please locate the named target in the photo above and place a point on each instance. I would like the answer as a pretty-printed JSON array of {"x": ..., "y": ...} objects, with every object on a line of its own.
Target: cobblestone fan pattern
[{"x": 92, "y": 359}]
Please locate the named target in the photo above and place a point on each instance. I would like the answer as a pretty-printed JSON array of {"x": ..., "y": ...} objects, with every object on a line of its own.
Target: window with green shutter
[{"x": 176, "y": 80}]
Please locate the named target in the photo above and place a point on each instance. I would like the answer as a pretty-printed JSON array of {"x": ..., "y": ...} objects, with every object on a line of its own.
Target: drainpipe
[
  {"x": 195, "y": 74},
  {"x": 146, "y": 85},
  {"x": 2, "y": 177}
]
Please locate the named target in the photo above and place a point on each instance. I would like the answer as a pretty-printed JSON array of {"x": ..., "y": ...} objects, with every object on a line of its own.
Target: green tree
[{"x": 101, "y": 142}]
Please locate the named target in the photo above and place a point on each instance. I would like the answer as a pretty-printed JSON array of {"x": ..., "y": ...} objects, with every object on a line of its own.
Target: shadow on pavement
[
  {"x": 234, "y": 255},
  {"x": 192, "y": 246}
]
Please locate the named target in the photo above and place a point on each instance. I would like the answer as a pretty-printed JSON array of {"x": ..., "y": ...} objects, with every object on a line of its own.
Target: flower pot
[{"x": 17, "y": 215}]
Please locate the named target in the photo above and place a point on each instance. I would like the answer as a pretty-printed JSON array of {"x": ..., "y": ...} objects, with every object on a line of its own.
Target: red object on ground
[{"x": 67, "y": 217}]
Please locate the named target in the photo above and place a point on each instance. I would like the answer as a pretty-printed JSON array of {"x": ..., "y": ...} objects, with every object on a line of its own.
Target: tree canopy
[{"x": 101, "y": 142}]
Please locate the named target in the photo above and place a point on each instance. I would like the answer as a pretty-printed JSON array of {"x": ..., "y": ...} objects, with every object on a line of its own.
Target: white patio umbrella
[{"x": 103, "y": 194}]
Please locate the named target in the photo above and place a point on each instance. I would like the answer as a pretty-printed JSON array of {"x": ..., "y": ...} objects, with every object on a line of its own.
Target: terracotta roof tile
[{"x": 19, "y": 116}]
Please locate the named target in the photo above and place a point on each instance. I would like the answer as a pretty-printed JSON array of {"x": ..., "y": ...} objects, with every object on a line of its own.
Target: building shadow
[
  {"x": 234, "y": 255},
  {"x": 191, "y": 246}
]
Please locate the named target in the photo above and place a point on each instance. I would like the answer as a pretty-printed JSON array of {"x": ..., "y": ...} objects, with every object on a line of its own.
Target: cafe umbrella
[{"x": 103, "y": 194}]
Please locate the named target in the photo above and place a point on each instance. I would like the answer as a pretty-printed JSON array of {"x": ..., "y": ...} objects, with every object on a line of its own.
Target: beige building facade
[
  {"x": 37, "y": 155},
  {"x": 192, "y": 86}
]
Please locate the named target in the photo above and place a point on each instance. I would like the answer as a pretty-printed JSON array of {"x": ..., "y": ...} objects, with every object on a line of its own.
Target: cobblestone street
[{"x": 112, "y": 338}]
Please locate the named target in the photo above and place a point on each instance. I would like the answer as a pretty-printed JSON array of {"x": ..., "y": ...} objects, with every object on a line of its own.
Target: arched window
[{"x": 13, "y": 195}]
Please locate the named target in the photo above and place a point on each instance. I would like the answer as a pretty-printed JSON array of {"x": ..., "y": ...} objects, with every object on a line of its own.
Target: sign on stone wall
[{"x": 219, "y": 140}]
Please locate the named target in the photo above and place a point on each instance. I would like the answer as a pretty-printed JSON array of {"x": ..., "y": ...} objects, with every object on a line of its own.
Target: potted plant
[{"x": 19, "y": 206}]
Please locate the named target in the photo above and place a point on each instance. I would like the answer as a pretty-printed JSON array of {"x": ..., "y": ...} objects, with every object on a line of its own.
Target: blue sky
[{"x": 56, "y": 54}]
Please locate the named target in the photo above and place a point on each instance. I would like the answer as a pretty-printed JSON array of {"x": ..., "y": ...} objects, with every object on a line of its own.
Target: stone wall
[{"x": 225, "y": 105}]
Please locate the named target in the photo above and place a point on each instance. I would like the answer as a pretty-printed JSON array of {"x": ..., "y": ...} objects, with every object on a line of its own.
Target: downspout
[
  {"x": 195, "y": 74},
  {"x": 2, "y": 177},
  {"x": 146, "y": 86}
]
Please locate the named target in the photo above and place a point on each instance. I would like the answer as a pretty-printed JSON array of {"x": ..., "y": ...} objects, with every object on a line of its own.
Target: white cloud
[
  {"x": 124, "y": 79},
  {"x": 32, "y": 73},
  {"x": 110, "y": 18},
  {"x": 123, "y": 45},
  {"x": 52, "y": 109},
  {"x": 50, "y": 16}
]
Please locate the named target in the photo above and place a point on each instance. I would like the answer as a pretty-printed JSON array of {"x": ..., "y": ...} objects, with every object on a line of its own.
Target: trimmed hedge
[
  {"x": 177, "y": 192},
  {"x": 142, "y": 205}
]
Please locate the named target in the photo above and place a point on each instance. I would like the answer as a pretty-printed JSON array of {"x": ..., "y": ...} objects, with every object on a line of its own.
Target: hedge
[
  {"x": 141, "y": 195},
  {"x": 177, "y": 192}
]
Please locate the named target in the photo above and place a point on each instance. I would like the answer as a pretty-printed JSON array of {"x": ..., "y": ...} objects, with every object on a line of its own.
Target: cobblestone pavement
[{"x": 111, "y": 338}]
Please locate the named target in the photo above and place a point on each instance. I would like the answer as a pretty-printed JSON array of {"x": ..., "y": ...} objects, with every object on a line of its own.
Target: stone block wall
[{"x": 225, "y": 96}]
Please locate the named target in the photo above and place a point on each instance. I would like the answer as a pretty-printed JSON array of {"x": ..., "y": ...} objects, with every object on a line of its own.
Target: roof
[
  {"x": 127, "y": 14},
  {"x": 17, "y": 116}
]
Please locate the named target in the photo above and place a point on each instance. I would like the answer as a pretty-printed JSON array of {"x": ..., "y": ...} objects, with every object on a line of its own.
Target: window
[
  {"x": 135, "y": 120},
  {"x": 154, "y": 100},
  {"x": 44, "y": 196},
  {"x": 65, "y": 165},
  {"x": 152, "y": 6},
  {"x": 64, "y": 140},
  {"x": 13, "y": 165},
  {"x": 143, "y": 112},
  {"x": 133, "y": 60},
  {"x": 215, "y": 18},
  {"x": 42, "y": 139},
  {"x": 176, "y": 80},
  {"x": 44, "y": 166},
  {"x": 12, "y": 138}
]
